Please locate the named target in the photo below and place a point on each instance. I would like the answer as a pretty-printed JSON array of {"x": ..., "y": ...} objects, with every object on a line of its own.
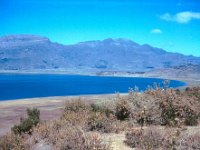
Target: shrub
[
  {"x": 133, "y": 138},
  {"x": 102, "y": 109},
  {"x": 33, "y": 113},
  {"x": 100, "y": 122},
  {"x": 144, "y": 139},
  {"x": 123, "y": 109},
  {"x": 76, "y": 106},
  {"x": 61, "y": 135},
  {"x": 168, "y": 114},
  {"x": 27, "y": 124},
  {"x": 11, "y": 141},
  {"x": 76, "y": 118},
  {"x": 191, "y": 118},
  {"x": 190, "y": 142},
  {"x": 76, "y": 139},
  {"x": 193, "y": 92},
  {"x": 177, "y": 109},
  {"x": 97, "y": 121}
]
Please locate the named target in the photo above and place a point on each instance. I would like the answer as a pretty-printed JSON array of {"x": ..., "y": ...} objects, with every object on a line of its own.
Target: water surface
[{"x": 17, "y": 86}]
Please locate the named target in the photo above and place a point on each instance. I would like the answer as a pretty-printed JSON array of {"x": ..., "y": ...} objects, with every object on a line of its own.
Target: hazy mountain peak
[
  {"x": 119, "y": 41},
  {"x": 20, "y": 39},
  {"x": 110, "y": 41}
]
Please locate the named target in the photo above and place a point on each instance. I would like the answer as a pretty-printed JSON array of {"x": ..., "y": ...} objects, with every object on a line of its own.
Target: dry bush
[
  {"x": 76, "y": 112},
  {"x": 12, "y": 141},
  {"x": 168, "y": 138},
  {"x": 101, "y": 108},
  {"x": 62, "y": 135},
  {"x": 100, "y": 122},
  {"x": 178, "y": 108},
  {"x": 76, "y": 118},
  {"x": 193, "y": 92},
  {"x": 70, "y": 130},
  {"x": 144, "y": 139},
  {"x": 92, "y": 117},
  {"x": 123, "y": 109},
  {"x": 191, "y": 142},
  {"x": 76, "y": 105},
  {"x": 144, "y": 108},
  {"x": 164, "y": 107},
  {"x": 76, "y": 139}
]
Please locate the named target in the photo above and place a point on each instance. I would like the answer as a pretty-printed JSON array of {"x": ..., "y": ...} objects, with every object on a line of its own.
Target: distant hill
[
  {"x": 32, "y": 52},
  {"x": 189, "y": 71}
]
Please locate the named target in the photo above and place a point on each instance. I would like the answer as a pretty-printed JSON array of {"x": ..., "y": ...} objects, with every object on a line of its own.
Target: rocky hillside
[{"x": 31, "y": 52}]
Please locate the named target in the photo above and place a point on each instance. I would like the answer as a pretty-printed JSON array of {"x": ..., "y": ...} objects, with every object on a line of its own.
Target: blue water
[{"x": 17, "y": 86}]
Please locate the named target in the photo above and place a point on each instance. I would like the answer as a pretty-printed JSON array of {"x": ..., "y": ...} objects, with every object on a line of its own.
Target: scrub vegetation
[{"x": 159, "y": 118}]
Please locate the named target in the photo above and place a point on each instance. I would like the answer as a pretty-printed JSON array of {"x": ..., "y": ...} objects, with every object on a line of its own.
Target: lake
[{"x": 18, "y": 86}]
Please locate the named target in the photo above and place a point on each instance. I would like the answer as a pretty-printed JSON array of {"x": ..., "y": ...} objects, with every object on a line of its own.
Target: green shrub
[{"x": 28, "y": 123}]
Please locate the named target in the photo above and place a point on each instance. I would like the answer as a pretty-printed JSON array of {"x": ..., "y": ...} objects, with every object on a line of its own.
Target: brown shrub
[
  {"x": 102, "y": 109},
  {"x": 11, "y": 141},
  {"x": 193, "y": 92},
  {"x": 174, "y": 108},
  {"x": 100, "y": 122},
  {"x": 76, "y": 139},
  {"x": 123, "y": 109},
  {"x": 189, "y": 142},
  {"x": 62, "y": 135},
  {"x": 144, "y": 139},
  {"x": 178, "y": 107},
  {"x": 76, "y": 105}
]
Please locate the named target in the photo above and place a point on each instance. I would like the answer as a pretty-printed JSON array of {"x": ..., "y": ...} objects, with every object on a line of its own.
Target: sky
[{"x": 173, "y": 25}]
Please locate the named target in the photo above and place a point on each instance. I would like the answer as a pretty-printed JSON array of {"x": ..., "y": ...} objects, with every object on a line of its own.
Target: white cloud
[
  {"x": 156, "y": 31},
  {"x": 181, "y": 17}
]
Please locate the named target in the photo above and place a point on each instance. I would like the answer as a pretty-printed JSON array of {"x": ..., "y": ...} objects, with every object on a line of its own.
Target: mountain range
[{"x": 33, "y": 52}]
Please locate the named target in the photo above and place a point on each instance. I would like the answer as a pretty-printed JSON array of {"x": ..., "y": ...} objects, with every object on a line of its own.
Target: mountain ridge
[{"x": 33, "y": 52}]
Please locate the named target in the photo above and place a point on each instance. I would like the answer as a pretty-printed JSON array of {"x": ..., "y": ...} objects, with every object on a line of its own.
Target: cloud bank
[{"x": 181, "y": 17}]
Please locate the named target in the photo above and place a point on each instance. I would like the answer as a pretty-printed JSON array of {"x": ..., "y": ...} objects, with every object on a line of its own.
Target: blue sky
[{"x": 173, "y": 25}]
